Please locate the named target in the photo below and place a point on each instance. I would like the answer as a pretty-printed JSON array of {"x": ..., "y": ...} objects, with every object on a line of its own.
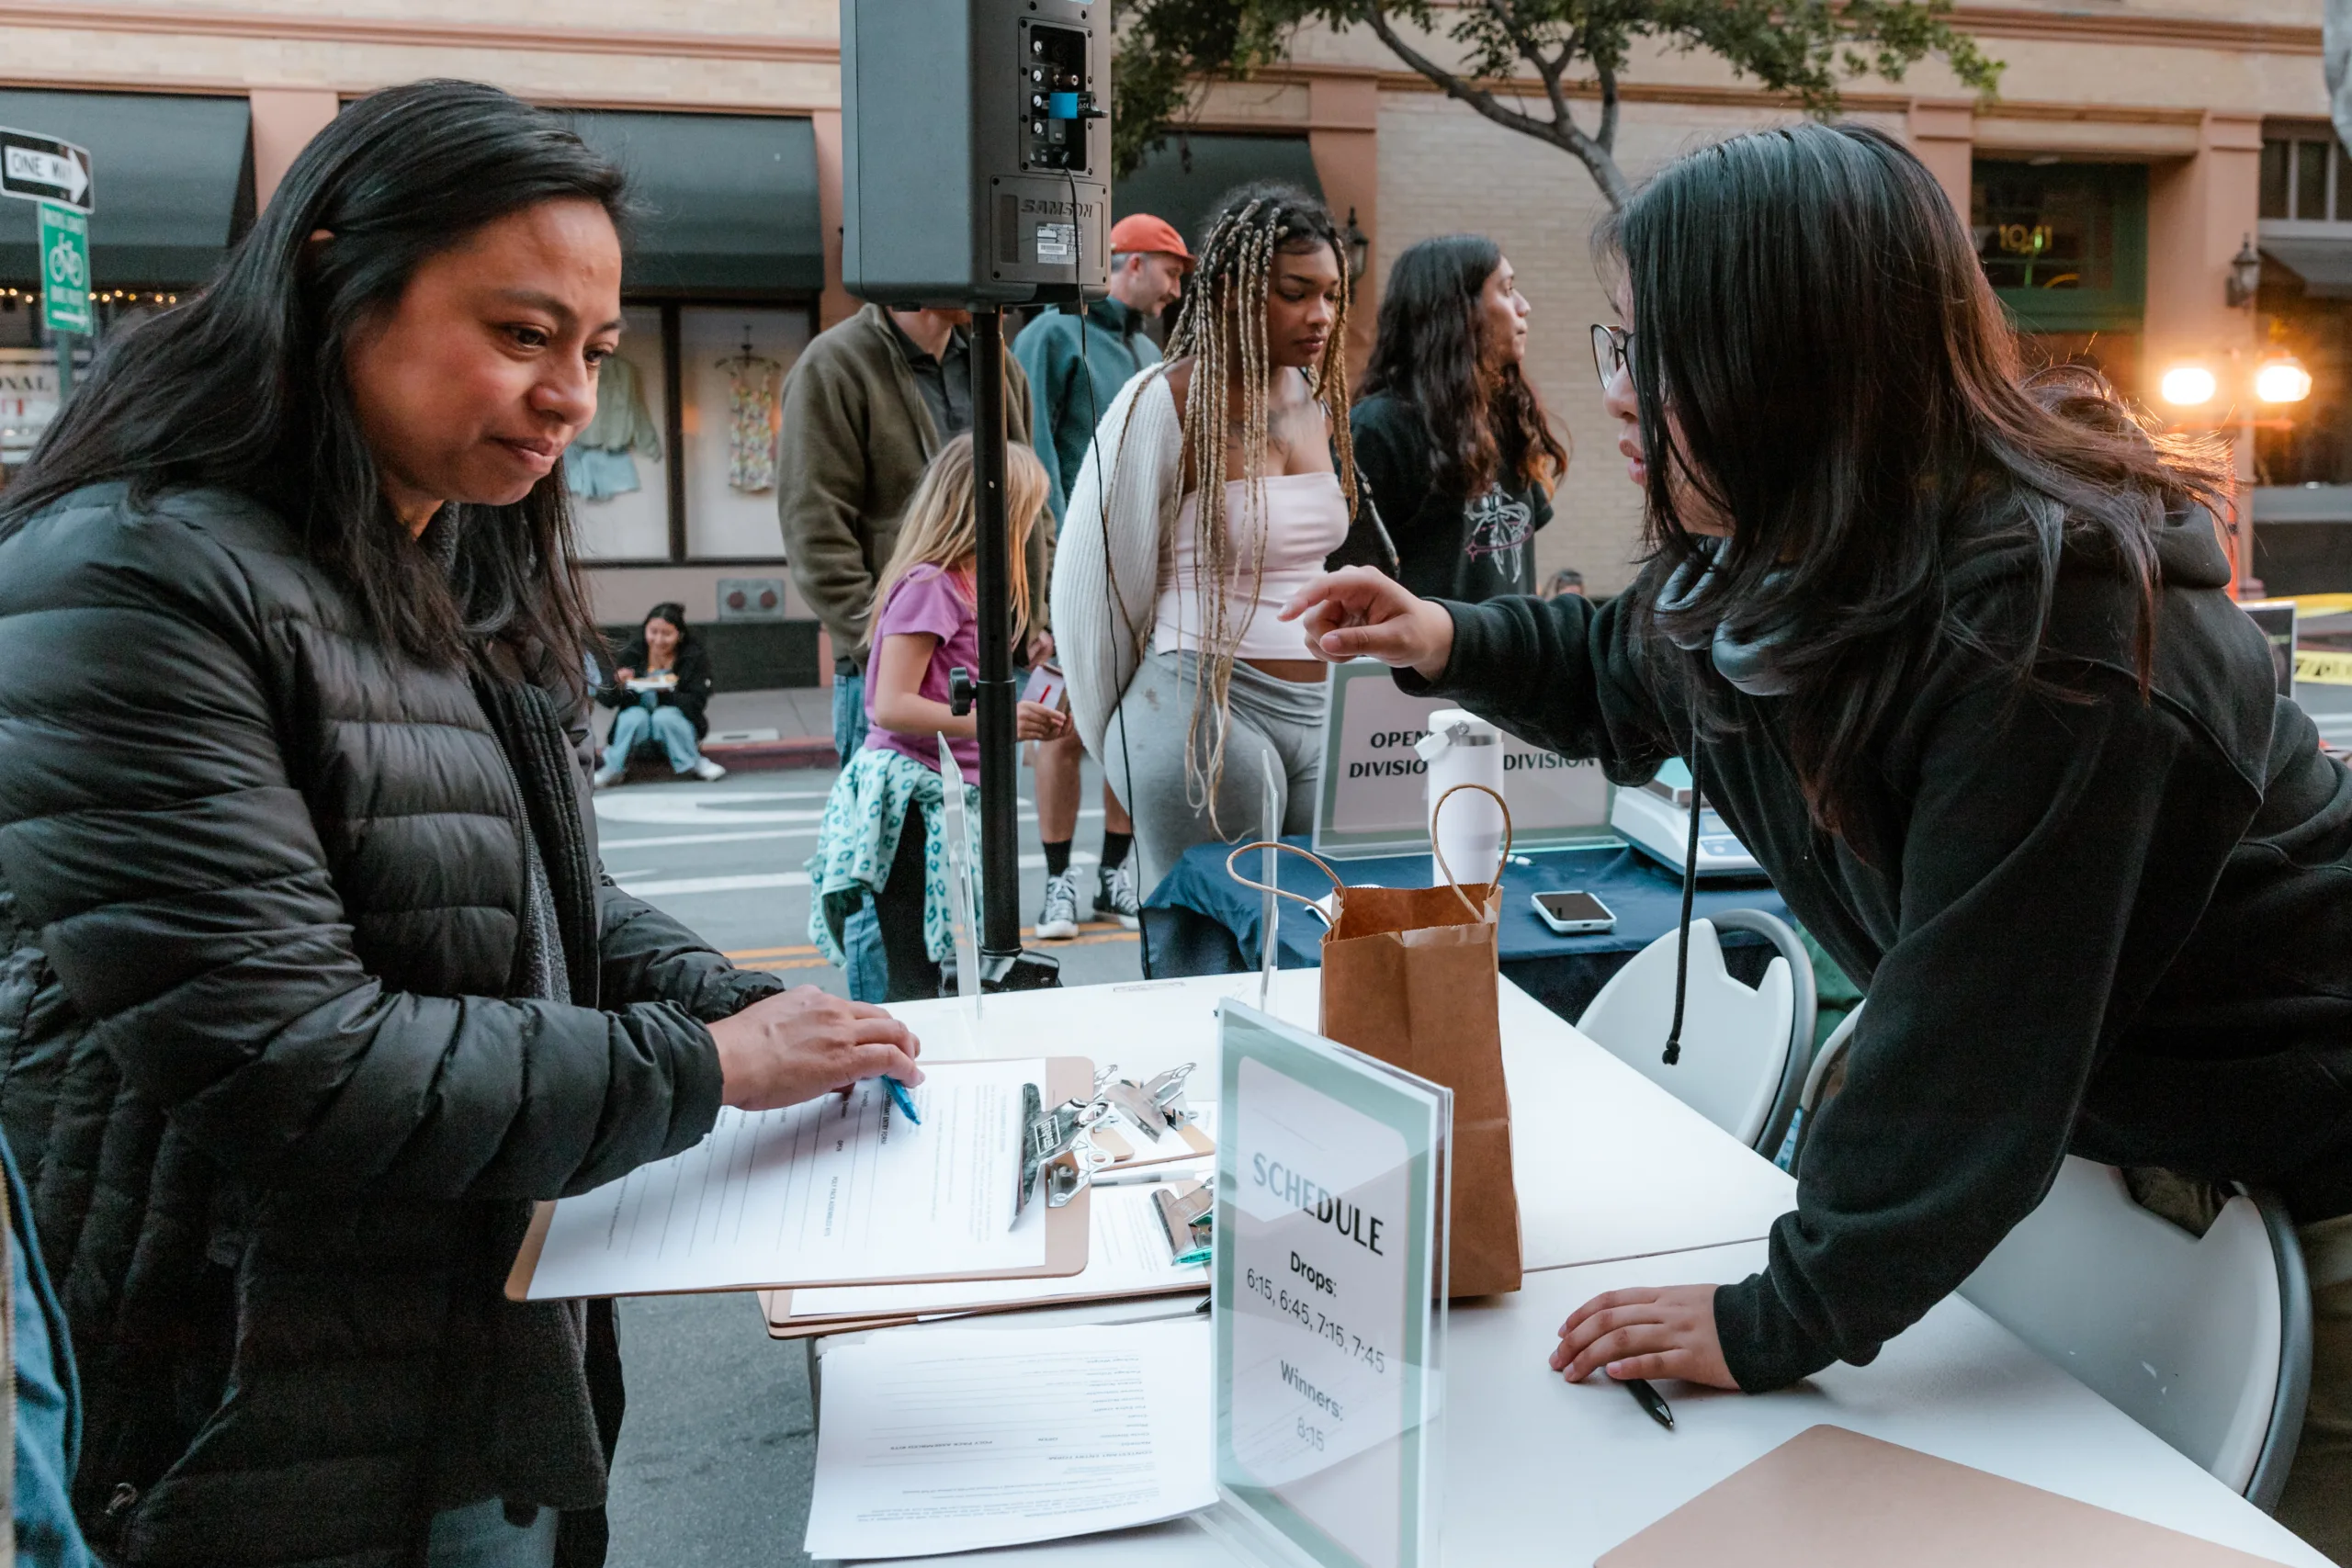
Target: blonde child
[{"x": 878, "y": 878}]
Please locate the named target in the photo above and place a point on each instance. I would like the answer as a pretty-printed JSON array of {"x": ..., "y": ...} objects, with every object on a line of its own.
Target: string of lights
[{"x": 111, "y": 297}]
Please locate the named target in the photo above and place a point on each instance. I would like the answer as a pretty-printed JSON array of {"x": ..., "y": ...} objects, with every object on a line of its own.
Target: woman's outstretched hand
[
  {"x": 799, "y": 1044},
  {"x": 1358, "y": 613},
  {"x": 1667, "y": 1332}
]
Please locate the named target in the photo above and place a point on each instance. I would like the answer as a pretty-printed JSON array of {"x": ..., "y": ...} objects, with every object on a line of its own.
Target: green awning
[
  {"x": 1182, "y": 179},
  {"x": 170, "y": 173},
  {"x": 728, "y": 203}
]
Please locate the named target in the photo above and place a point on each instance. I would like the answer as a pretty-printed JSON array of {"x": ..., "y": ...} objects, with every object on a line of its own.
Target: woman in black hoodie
[
  {"x": 1450, "y": 440},
  {"x": 660, "y": 689},
  {"x": 1953, "y": 651}
]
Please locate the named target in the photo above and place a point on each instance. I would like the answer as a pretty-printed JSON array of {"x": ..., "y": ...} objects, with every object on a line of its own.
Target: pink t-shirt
[{"x": 927, "y": 600}]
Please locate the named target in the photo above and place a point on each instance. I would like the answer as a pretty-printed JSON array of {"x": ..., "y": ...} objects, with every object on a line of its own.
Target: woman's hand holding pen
[
  {"x": 1357, "y": 612},
  {"x": 802, "y": 1043},
  {"x": 1667, "y": 1332}
]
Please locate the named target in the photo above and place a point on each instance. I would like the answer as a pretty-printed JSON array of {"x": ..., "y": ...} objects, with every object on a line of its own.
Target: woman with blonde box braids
[{"x": 1218, "y": 483}]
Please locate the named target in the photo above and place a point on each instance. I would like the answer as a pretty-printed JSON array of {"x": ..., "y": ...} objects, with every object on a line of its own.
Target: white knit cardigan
[{"x": 1113, "y": 546}]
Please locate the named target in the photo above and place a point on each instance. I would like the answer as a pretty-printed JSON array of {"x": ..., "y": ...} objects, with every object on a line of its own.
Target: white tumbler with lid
[{"x": 1467, "y": 838}]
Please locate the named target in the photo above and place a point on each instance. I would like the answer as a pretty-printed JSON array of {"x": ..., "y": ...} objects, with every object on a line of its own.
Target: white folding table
[
  {"x": 1607, "y": 1164},
  {"x": 1620, "y": 1184},
  {"x": 1542, "y": 1471}
]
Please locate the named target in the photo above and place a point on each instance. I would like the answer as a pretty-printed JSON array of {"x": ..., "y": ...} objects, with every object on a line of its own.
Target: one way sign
[{"x": 42, "y": 168}]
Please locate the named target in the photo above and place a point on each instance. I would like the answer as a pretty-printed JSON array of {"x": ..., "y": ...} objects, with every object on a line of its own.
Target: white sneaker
[
  {"x": 607, "y": 777},
  {"x": 1115, "y": 894},
  {"x": 708, "y": 770},
  {"x": 1057, "y": 917}
]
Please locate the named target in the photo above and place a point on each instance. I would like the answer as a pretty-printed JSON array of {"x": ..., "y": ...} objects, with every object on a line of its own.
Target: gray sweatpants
[{"x": 1268, "y": 719}]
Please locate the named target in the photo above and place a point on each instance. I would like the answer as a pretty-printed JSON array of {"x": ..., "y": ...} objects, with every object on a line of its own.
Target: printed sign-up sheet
[
  {"x": 836, "y": 1190},
  {"x": 954, "y": 1441}
]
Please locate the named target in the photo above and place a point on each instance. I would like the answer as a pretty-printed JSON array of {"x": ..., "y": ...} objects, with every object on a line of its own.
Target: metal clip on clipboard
[
  {"x": 1186, "y": 1212},
  {"x": 1056, "y": 1144}
]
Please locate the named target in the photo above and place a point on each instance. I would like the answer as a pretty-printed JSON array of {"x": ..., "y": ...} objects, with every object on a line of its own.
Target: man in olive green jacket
[{"x": 867, "y": 405}]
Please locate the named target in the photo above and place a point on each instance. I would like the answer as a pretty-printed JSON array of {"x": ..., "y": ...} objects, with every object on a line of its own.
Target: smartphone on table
[{"x": 1573, "y": 914}]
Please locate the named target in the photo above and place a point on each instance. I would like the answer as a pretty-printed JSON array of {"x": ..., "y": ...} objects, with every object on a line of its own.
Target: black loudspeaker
[{"x": 976, "y": 156}]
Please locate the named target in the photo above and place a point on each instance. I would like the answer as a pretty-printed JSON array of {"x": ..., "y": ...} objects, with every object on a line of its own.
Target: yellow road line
[{"x": 806, "y": 957}]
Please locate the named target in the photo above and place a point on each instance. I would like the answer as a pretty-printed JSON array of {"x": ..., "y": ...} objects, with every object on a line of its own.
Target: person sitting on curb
[{"x": 661, "y": 687}]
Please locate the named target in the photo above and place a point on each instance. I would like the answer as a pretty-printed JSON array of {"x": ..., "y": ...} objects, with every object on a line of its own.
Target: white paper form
[
  {"x": 933, "y": 1441},
  {"x": 1126, "y": 1255},
  {"x": 832, "y": 1189}
]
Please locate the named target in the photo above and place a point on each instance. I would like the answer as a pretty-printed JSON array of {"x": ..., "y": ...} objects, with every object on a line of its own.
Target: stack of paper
[
  {"x": 959, "y": 1439},
  {"x": 1126, "y": 1255}
]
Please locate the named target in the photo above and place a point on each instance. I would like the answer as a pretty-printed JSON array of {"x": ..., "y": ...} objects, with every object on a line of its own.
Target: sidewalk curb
[
  {"x": 773, "y": 756},
  {"x": 648, "y": 766}
]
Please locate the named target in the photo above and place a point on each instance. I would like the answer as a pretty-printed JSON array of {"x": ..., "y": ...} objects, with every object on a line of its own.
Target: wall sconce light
[
  {"x": 2281, "y": 380},
  {"x": 2246, "y": 275},
  {"x": 2188, "y": 386},
  {"x": 1359, "y": 246}
]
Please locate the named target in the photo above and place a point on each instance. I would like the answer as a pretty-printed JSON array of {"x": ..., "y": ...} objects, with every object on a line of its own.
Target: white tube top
[{"x": 1305, "y": 520}]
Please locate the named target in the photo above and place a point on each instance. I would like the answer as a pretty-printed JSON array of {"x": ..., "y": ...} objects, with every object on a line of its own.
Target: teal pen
[{"x": 901, "y": 1099}]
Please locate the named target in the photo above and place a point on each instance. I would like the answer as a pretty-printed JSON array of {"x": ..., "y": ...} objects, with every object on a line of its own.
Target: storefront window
[
  {"x": 734, "y": 364},
  {"x": 649, "y": 485},
  {"x": 2065, "y": 245},
  {"x": 2303, "y": 179},
  {"x": 618, "y": 469},
  {"x": 2311, "y": 442}
]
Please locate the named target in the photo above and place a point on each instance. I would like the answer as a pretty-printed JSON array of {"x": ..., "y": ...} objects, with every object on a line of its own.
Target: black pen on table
[{"x": 1650, "y": 1400}]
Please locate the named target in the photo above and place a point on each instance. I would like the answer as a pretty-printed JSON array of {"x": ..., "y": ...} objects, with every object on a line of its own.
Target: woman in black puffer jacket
[{"x": 311, "y": 981}]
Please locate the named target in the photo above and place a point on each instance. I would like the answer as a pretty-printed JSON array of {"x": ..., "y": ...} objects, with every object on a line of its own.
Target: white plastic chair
[
  {"x": 2204, "y": 1340},
  {"x": 1745, "y": 1048}
]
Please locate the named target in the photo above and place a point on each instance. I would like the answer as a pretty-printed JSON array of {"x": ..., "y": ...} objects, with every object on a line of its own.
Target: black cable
[{"x": 1689, "y": 889}]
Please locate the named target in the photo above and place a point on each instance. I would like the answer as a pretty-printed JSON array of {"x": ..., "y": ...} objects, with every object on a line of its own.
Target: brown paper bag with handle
[{"x": 1410, "y": 976}]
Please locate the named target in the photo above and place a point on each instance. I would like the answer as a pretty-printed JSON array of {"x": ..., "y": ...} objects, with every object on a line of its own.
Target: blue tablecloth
[{"x": 1203, "y": 921}]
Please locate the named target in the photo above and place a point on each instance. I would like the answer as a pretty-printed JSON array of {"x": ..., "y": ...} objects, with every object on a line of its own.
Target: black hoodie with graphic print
[
  {"x": 2116, "y": 926},
  {"x": 1448, "y": 545}
]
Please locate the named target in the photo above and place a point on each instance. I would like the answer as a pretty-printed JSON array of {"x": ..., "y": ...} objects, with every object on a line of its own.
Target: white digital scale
[{"x": 1655, "y": 819}]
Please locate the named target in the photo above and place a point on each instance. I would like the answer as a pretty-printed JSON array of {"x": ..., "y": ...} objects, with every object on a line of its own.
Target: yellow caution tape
[{"x": 2327, "y": 668}]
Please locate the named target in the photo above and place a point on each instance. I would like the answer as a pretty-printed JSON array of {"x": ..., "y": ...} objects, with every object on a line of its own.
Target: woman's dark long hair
[
  {"x": 243, "y": 386},
  {"x": 639, "y": 650},
  {"x": 1818, "y": 357},
  {"x": 1483, "y": 421}
]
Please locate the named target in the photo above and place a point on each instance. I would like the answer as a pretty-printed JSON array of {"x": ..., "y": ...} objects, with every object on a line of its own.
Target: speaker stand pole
[{"x": 1003, "y": 965}]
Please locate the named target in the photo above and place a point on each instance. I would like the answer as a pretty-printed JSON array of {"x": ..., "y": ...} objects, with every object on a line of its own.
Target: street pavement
[{"x": 717, "y": 1448}]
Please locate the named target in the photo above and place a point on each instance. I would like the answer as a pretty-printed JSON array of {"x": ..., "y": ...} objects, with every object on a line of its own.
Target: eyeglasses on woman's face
[{"x": 1613, "y": 351}]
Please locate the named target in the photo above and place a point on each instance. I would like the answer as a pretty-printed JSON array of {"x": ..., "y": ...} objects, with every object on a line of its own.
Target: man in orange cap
[{"x": 1076, "y": 366}]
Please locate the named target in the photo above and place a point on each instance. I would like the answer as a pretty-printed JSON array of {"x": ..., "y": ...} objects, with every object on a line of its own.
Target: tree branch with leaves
[{"x": 1503, "y": 56}]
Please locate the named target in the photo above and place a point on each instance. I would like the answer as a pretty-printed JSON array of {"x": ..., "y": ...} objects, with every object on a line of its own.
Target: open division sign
[{"x": 1372, "y": 800}]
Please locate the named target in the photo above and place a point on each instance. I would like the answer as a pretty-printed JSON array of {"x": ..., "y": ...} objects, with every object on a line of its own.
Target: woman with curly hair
[
  {"x": 1452, "y": 443},
  {"x": 1220, "y": 482}
]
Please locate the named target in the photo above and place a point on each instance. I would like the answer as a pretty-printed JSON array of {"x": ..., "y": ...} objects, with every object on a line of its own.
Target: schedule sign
[{"x": 1329, "y": 1302}]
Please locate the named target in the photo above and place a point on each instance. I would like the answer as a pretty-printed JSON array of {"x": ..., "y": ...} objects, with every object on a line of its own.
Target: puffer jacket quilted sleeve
[{"x": 200, "y": 757}]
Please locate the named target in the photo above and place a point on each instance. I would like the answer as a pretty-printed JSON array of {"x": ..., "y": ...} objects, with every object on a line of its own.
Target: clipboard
[
  {"x": 1066, "y": 1227},
  {"x": 1831, "y": 1499},
  {"x": 1129, "y": 1151},
  {"x": 1130, "y": 1260},
  {"x": 775, "y": 1308}
]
